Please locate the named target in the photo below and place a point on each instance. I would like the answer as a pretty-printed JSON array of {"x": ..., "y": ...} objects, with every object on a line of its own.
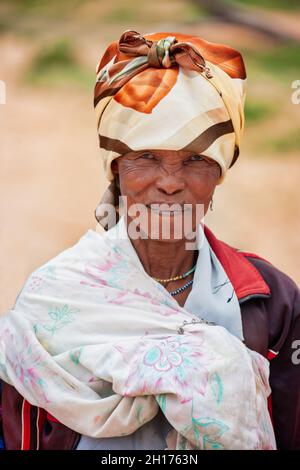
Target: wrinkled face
[{"x": 168, "y": 177}]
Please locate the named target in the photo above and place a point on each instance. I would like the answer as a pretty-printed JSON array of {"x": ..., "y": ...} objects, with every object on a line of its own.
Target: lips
[
  {"x": 181, "y": 204},
  {"x": 166, "y": 211}
]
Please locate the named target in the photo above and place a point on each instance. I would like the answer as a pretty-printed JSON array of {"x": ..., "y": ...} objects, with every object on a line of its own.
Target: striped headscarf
[{"x": 169, "y": 91}]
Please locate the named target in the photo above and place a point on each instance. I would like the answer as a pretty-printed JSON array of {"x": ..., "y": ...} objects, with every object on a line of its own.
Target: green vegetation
[
  {"x": 285, "y": 143},
  {"x": 280, "y": 60},
  {"x": 27, "y": 16},
  {"x": 43, "y": 6},
  {"x": 272, "y": 4},
  {"x": 257, "y": 110},
  {"x": 56, "y": 64},
  {"x": 143, "y": 12},
  {"x": 279, "y": 63}
]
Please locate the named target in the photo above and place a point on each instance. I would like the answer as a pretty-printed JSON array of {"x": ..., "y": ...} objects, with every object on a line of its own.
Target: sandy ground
[{"x": 51, "y": 180}]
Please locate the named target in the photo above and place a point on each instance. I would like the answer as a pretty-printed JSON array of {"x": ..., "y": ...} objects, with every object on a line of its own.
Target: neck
[{"x": 164, "y": 259}]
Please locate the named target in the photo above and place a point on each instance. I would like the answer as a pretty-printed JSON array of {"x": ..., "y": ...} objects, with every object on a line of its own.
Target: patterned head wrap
[{"x": 169, "y": 91}]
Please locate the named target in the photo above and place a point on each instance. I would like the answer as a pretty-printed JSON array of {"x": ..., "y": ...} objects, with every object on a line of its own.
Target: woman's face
[{"x": 167, "y": 176}]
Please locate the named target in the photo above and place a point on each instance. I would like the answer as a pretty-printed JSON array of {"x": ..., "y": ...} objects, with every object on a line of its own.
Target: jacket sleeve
[
  {"x": 285, "y": 379},
  {"x": 1, "y": 423},
  {"x": 284, "y": 340},
  {"x": 283, "y": 319}
]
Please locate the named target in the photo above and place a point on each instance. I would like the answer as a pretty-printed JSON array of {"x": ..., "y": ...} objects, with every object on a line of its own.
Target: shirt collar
[{"x": 245, "y": 278}]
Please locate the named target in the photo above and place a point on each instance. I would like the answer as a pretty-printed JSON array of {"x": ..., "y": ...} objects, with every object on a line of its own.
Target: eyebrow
[
  {"x": 151, "y": 151},
  {"x": 141, "y": 152}
]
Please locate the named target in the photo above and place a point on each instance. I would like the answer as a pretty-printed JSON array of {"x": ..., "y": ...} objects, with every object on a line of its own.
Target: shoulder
[
  {"x": 59, "y": 271},
  {"x": 238, "y": 262},
  {"x": 277, "y": 280},
  {"x": 283, "y": 305}
]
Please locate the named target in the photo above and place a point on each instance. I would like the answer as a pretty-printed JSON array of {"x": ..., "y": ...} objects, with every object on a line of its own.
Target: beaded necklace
[
  {"x": 180, "y": 289},
  {"x": 176, "y": 278},
  {"x": 182, "y": 276}
]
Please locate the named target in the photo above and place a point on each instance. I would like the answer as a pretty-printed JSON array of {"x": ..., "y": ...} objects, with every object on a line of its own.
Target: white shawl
[{"x": 101, "y": 346}]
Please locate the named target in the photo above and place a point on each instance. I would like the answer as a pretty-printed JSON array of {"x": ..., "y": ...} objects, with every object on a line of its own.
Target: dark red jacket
[{"x": 270, "y": 308}]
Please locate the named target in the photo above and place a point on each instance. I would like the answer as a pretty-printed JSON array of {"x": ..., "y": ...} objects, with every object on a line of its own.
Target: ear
[{"x": 114, "y": 167}]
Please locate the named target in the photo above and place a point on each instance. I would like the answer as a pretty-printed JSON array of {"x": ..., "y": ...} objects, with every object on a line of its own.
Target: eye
[
  {"x": 147, "y": 156},
  {"x": 195, "y": 158}
]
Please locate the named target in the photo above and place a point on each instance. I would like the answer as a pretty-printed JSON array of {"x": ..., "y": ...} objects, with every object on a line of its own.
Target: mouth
[{"x": 166, "y": 211}]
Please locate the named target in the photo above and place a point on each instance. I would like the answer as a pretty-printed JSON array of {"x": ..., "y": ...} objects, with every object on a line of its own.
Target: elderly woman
[{"x": 137, "y": 339}]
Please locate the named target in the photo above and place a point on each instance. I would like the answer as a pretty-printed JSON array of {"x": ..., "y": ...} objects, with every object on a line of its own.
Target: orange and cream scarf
[{"x": 169, "y": 91}]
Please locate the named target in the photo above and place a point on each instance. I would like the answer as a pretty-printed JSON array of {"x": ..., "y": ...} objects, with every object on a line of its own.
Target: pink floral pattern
[
  {"x": 25, "y": 361},
  {"x": 118, "y": 341},
  {"x": 38, "y": 279},
  {"x": 169, "y": 364},
  {"x": 107, "y": 272}
]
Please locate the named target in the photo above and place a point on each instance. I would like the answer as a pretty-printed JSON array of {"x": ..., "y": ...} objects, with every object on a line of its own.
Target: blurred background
[{"x": 50, "y": 168}]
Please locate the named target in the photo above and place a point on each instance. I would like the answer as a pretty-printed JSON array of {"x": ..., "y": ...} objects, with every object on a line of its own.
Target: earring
[{"x": 211, "y": 205}]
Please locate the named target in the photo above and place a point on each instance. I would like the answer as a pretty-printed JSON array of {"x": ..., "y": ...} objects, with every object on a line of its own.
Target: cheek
[
  {"x": 203, "y": 184},
  {"x": 133, "y": 182}
]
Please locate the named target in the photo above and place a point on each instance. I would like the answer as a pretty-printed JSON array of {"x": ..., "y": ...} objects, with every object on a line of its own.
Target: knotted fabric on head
[{"x": 169, "y": 91}]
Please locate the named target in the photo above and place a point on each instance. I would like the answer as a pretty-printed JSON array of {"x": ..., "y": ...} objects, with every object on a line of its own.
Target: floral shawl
[{"x": 102, "y": 346}]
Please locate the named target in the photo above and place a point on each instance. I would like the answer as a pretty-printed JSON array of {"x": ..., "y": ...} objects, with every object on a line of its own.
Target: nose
[{"x": 170, "y": 183}]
